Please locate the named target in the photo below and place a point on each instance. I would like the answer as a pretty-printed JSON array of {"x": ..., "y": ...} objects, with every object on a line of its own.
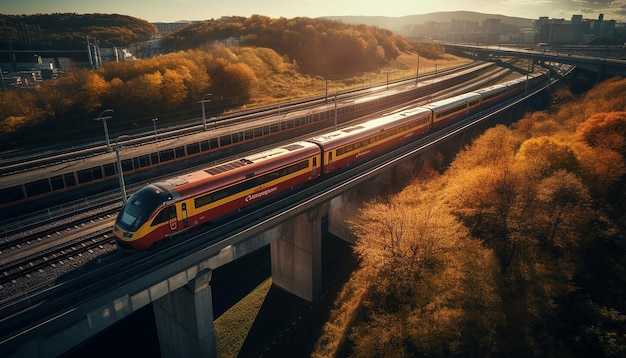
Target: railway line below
[{"x": 30, "y": 186}]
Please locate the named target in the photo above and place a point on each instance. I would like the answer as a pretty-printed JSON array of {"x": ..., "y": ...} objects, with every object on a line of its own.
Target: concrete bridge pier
[
  {"x": 184, "y": 319},
  {"x": 297, "y": 254}
]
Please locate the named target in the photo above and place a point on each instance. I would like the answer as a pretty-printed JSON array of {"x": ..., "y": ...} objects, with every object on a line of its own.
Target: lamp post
[
  {"x": 106, "y": 129},
  {"x": 120, "y": 174},
  {"x": 154, "y": 120},
  {"x": 336, "y": 110},
  {"x": 203, "y": 111},
  {"x": 156, "y": 139},
  {"x": 417, "y": 70}
]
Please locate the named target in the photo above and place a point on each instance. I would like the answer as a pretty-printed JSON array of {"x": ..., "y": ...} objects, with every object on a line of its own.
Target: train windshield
[{"x": 140, "y": 207}]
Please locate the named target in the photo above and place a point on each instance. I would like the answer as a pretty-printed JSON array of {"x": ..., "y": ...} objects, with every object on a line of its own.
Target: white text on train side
[{"x": 261, "y": 194}]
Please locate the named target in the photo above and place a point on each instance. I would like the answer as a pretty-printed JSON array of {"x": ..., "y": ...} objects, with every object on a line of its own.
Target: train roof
[
  {"x": 374, "y": 125},
  {"x": 491, "y": 89},
  {"x": 452, "y": 101},
  {"x": 235, "y": 170}
]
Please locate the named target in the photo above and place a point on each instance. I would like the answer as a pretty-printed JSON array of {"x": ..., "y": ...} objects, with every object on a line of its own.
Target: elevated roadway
[{"x": 600, "y": 63}]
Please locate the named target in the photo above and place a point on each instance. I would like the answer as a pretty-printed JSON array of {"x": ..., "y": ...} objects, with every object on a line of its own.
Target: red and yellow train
[{"x": 169, "y": 207}]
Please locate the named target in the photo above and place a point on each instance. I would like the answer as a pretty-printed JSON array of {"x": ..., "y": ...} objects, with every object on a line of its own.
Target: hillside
[
  {"x": 317, "y": 46},
  {"x": 399, "y": 23},
  {"x": 69, "y": 30}
]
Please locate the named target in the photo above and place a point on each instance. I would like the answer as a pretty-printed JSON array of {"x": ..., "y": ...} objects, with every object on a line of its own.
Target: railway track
[
  {"x": 31, "y": 258},
  {"x": 43, "y": 186},
  {"x": 36, "y": 257},
  {"x": 16, "y": 164}
]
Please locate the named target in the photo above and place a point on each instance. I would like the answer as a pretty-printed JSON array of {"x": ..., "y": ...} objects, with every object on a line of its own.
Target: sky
[{"x": 175, "y": 10}]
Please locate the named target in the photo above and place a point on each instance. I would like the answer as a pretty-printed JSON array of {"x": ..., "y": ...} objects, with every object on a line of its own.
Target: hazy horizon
[{"x": 180, "y": 10}]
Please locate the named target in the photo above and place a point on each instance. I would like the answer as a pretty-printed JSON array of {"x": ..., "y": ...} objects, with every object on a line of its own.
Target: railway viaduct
[
  {"x": 180, "y": 290},
  {"x": 598, "y": 60}
]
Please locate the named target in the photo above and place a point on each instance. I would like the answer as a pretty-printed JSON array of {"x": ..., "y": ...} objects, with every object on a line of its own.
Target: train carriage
[
  {"x": 342, "y": 147},
  {"x": 516, "y": 87},
  {"x": 491, "y": 95},
  {"x": 169, "y": 207},
  {"x": 455, "y": 108}
]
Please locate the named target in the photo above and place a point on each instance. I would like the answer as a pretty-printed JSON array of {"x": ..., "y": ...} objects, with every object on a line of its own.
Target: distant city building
[
  {"x": 575, "y": 31},
  {"x": 543, "y": 30}
]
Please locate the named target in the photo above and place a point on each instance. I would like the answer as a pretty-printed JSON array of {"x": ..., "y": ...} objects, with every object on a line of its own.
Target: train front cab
[{"x": 145, "y": 218}]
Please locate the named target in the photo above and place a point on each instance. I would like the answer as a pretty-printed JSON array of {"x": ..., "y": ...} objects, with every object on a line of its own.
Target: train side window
[
  {"x": 109, "y": 169},
  {"x": 166, "y": 155},
  {"x": 57, "y": 182},
  {"x": 37, "y": 187},
  {"x": 193, "y": 148},
  {"x": 179, "y": 152},
  {"x": 127, "y": 165},
  {"x": 11, "y": 194},
  {"x": 144, "y": 161},
  {"x": 204, "y": 145},
  {"x": 70, "y": 180},
  {"x": 213, "y": 143},
  {"x": 84, "y": 176},
  {"x": 258, "y": 132},
  {"x": 236, "y": 137},
  {"x": 96, "y": 173},
  {"x": 154, "y": 158}
]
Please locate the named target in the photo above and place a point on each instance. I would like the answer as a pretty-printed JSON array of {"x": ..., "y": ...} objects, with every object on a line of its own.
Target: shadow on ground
[{"x": 288, "y": 326}]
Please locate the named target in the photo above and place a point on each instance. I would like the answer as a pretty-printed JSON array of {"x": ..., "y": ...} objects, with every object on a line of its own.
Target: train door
[
  {"x": 173, "y": 219},
  {"x": 184, "y": 214},
  {"x": 329, "y": 164},
  {"x": 315, "y": 170}
]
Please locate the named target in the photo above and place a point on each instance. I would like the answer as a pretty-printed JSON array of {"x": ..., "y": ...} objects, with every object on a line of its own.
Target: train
[
  {"x": 46, "y": 187},
  {"x": 167, "y": 208}
]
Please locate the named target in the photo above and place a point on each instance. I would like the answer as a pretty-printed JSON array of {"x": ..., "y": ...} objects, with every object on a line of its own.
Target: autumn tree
[
  {"x": 431, "y": 286},
  {"x": 546, "y": 265},
  {"x": 233, "y": 81},
  {"x": 606, "y": 130},
  {"x": 91, "y": 93}
]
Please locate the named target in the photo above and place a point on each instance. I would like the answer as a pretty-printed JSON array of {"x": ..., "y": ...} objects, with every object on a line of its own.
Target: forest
[
  {"x": 169, "y": 86},
  {"x": 315, "y": 46},
  {"x": 516, "y": 249}
]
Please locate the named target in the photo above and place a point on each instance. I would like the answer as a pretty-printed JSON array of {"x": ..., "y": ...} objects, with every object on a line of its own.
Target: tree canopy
[
  {"x": 515, "y": 250},
  {"x": 317, "y": 46}
]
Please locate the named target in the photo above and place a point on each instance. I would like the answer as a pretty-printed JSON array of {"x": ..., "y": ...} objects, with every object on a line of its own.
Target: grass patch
[{"x": 232, "y": 327}]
